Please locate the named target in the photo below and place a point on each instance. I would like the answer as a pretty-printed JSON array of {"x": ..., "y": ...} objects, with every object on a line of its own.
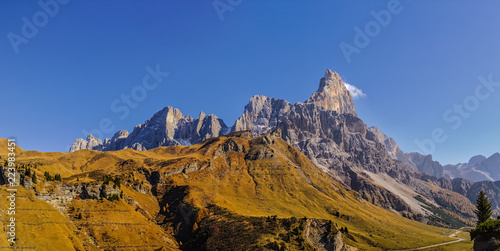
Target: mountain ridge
[{"x": 327, "y": 130}]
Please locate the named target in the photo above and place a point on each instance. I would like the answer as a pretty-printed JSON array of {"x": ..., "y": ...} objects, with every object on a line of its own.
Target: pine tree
[{"x": 483, "y": 210}]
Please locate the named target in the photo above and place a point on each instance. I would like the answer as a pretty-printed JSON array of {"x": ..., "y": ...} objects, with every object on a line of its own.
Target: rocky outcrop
[
  {"x": 167, "y": 127},
  {"x": 10, "y": 178},
  {"x": 487, "y": 244},
  {"x": 60, "y": 196},
  {"x": 325, "y": 236},
  {"x": 260, "y": 146},
  {"x": 486, "y": 236}
]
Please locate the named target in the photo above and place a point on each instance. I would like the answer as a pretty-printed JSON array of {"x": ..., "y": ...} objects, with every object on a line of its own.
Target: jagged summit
[
  {"x": 167, "y": 127},
  {"x": 476, "y": 159},
  {"x": 329, "y": 76},
  {"x": 332, "y": 94}
]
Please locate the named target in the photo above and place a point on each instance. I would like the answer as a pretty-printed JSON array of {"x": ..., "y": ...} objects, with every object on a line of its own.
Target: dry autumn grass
[{"x": 286, "y": 185}]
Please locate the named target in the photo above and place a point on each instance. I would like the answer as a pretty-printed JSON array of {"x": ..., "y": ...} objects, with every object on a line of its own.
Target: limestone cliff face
[
  {"x": 90, "y": 142},
  {"x": 390, "y": 144},
  {"x": 332, "y": 95},
  {"x": 327, "y": 129},
  {"x": 262, "y": 114},
  {"x": 167, "y": 127}
]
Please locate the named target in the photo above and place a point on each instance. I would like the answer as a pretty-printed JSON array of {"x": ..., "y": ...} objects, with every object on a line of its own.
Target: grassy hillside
[{"x": 234, "y": 181}]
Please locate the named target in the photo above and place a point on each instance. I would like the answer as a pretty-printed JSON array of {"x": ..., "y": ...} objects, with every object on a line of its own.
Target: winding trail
[{"x": 454, "y": 235}]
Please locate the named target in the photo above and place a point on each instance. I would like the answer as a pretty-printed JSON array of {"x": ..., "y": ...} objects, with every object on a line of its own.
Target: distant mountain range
[
  {"x": 328, "y": 131},
  {"x": 479, "y": 167}
]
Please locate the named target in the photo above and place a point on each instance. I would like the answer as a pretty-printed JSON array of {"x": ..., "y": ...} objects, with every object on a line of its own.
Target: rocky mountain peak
[
  {"x": 330, "y": 77},
  {"x": 333, "y": 95},
  {"x": 121, "y": 134},
  {"x": 201, "y": 116},
  {"x": 90, "y": 142},
  {"x": 476, "y": 159},
  {"x": 167, "y": 127}
]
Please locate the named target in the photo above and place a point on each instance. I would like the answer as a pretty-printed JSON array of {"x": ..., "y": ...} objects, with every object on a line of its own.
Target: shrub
[
  {"x": 486, "y": 228},
  {"x": 113, "y": 197},
  {"x": 48, "y": 177},
  {"x": 117, "y": 182}
]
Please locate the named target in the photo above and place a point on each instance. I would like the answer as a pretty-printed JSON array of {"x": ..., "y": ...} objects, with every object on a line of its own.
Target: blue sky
[{"x": 86, "y": 54}]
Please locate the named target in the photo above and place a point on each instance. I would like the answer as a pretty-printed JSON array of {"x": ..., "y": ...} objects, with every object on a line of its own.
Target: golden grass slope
[
  {"x": 290, "y": 185},
  {"x": 285, "y": 184},
  {"x": 38, "y": 224}
]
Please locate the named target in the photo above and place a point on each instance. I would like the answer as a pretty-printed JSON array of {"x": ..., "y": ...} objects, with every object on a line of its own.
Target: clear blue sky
[{"x": 89, "y": 53}]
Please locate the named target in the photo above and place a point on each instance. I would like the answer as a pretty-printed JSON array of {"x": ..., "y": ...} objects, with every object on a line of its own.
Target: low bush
[{"x": 490, "y": 227}]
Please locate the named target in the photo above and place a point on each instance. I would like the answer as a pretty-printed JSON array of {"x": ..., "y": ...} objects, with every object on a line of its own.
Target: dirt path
[{"x": 454, "y": 235}]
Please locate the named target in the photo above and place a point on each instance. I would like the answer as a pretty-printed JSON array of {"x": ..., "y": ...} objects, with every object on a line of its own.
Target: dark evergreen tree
[{"x": 483, "y": 206}]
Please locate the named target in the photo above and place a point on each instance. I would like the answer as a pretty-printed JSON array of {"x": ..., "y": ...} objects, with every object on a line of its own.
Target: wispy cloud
[{"x": 355, "y": 92}]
